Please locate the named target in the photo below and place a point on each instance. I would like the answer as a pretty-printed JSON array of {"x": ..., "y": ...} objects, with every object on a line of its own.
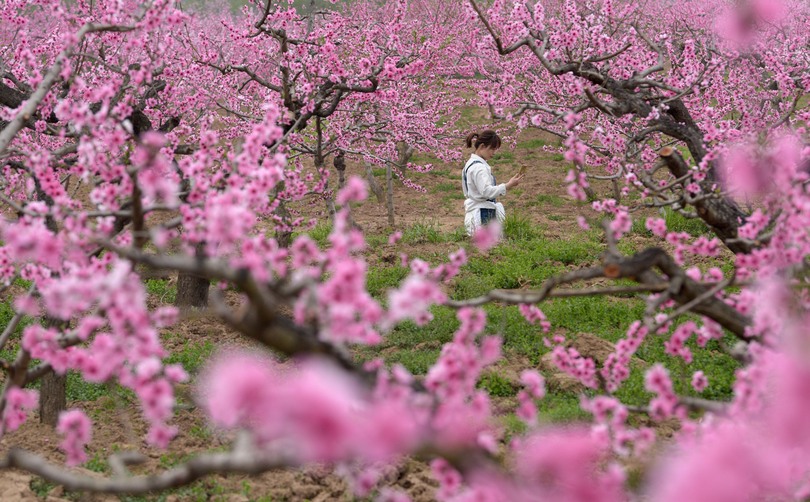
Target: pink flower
[
  {"x": 487, "y": 236},
  {"x": 356, "y": 190},
  {"x": 413, "y": 299},
  {"x": 534, "y": 315},
  {"x": 657, "y": 380},
  {"x": 394, "y": 237},
  {"x": 76, "y": 429},
  {"x": 236, "y": 387},
  {"x": 160, "y": 435},
  {"x": 534, "y": 382},
  {"x": 699, "y": 381},
  {"x": 449, "y": 478},
  {"x": 568, "y": 464},
  {"x": 657, "y": 226},
  {"x": 526, "y": 410},
  {"x": 18, "y": 402}
]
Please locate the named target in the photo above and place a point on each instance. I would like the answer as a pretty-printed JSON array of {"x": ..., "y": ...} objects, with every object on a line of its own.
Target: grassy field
[{"x": 524, "y": 260}]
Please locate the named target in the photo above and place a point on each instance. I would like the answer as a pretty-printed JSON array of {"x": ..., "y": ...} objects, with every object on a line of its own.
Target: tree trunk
[
  {"x": 53, "y": 390},
  {"x": 319, "y": 163},
  {"x": 617, "y": 191},
  {"x": 721, "y": 213},
  {"x": 589, "y": 193},
  {"x": 341, "y": 179},
  {"x": 283, "y": 235},
  {"x": 405, "y": 153},
  {"x": 52, "y": 398},
  {"x": 375, "y": 187},
  {"x": 328, "y": 196},
  {"x": 389, "y": 193},
  {"x": 192, "y": 290}
]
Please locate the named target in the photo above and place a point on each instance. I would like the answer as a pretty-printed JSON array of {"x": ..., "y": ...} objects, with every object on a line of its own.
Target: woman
[{"x": 479, "y": 185}]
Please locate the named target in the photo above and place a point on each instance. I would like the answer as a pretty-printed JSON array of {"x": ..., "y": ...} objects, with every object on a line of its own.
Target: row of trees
[{"x": 139, "y": 136}]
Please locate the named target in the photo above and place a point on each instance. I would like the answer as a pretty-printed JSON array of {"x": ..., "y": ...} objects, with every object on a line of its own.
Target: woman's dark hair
[{"x": 487, "y": 137}]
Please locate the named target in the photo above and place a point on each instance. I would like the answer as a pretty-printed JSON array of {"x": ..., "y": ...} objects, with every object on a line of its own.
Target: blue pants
[{"x": 487, "y": 215}]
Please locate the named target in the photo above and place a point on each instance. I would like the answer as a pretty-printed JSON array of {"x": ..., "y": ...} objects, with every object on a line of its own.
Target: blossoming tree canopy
[
  {"x": 619, "y": 89},
  {"x": 146, "y": 136}
]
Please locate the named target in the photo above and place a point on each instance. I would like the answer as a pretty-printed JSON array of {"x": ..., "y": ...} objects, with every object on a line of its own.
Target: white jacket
[{"x": 480, "y": 191}]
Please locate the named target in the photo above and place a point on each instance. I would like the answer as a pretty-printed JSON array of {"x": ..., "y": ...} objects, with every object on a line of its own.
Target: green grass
[
  {"x": 40, "y": 487},
  {"x": 525, "y": 259},
  {"x": 504, "y": 156},
  {"x": 561, "y": 407},
  {"x": 429, "y": 232},
  {"x": 382, "y": 278},
  {"x": 557, "y": 157},
  {"x": 572, "y": 251},
  {"x": 446, "y": 186},
  {"x": 193, "y": 355},
  {"x": 78, "y": 389},
  {"x": 521, "y": 262},
  {"x": 452, "y": 197},
  {"x": 496, "y": 385},
  {"x": 165, "y": 291},
  {"x": 320, "y": 232},
  {"x": 676, "y": 222},
  {"x": 549, "y": 200},
  {"x": 204, "y": 490},
  {"x": 97, "y": 464},
  {"x": 532, "y": 144},
  {"x": 422, "y": 232},
  {"x": 519, "y": 227}
]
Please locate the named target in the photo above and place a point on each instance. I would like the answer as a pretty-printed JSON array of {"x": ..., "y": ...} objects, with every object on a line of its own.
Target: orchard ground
[{"x": 542, "y": 239}]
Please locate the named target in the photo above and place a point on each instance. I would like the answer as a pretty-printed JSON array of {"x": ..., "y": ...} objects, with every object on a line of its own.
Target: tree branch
[{"x": 237, "y": 462}]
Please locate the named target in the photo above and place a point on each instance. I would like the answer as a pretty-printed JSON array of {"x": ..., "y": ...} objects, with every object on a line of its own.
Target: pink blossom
[
  {"x": 568, "y": 464},
  {"x": 413, "y": 299},
  {"x": 699, "y": 381},
  {"x": 657, "y": 226},
  {"x": 526, "y": 410},
  {"x": 394, "y": 237},
  {"x": 314, "y": 408},
  {"x": 356, "y": 190},
  {"x": 750, "y": 471},
  {"x": 449, "y": 479},
  {"x": 18, "y": 403},
  {"x": 76, "y": 429},
  {"x": 160, "y": 435},
  {"x": 534, "y": 382},
  {"x": 487, "y": 236},
  {"x": 534, "y": 315}
]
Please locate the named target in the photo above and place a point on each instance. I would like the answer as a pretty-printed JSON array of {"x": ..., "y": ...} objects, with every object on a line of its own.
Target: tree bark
[
  {"x": 389, "y": 193},
  {"x": 52, "y": 398},
  {"x": 53, "y": 391},
  {"x": 319, "y": 163},
  {"x": 405, "y": 153},
  {"x": 722, "y": 215},
  {"x": 192, "y": 290},
  {"x": 283, "y": 235},
  {"x": 373, "y": 184}
]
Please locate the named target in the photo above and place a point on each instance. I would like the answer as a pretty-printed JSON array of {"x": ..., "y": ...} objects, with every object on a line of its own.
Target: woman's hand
[{"x": 514, "y": 181}]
